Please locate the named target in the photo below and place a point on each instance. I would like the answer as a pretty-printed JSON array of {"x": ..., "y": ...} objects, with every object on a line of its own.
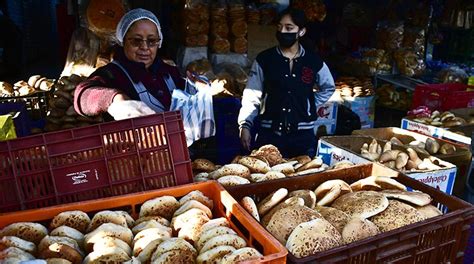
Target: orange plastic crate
[
  {"x": 94, "y": 162},
  {"x": 224, "y": 206}
]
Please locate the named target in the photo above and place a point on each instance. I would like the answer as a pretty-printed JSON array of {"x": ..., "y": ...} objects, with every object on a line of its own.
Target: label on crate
[
  {"x": 80, "y": 176},
  {"x": 422, "y": 128},
  {"x": 442, "y": 180}
]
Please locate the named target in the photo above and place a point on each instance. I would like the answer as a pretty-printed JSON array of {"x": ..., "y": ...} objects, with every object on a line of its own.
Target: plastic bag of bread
[
  {"x": 196, "y": 23},
  {"x": 252, "y": 14},
  {"x": 452, "y": 75},
  {"x": 102, "y": 17},
  {"x": 389, "y": 35},
  {"x": 409, "y": 62},
  {"x": 235, "y": 77},
  {"x": 82, "y": 54},
  {"x": 414, "y": 38}
]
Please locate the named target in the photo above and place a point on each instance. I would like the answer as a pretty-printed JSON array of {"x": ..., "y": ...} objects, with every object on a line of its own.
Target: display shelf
[{"x": 399, "y": 81}]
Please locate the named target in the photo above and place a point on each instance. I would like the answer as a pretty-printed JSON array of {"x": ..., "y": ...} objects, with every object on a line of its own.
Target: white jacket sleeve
[
  {"x": 252, "y": 97},
  {"x": 326, "y": 86}
]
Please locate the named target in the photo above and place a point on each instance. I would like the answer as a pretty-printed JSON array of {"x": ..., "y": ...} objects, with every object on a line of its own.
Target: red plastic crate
[
  {"x": 93, "y": 162},
  {"x": 443, "y": 96}
]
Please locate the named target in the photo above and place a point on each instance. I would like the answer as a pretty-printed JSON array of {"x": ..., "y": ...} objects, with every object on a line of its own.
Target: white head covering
[{"x": 131, "y": 17}]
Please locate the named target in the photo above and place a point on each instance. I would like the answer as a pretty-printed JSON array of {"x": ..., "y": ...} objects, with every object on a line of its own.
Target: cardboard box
[
  {"x": 364, "y": 107},
  {"x": 337, "y": 148},
  {"x": 327, "y": 119},
  {"x": 436, "y": 132},
  {"x": 461, "y": 158}
]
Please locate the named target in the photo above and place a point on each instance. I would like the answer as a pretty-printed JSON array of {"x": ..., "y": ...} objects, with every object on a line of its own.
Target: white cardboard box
[
  {"x": 436, "y": 132},
  {"x": 331, "y": 151}
]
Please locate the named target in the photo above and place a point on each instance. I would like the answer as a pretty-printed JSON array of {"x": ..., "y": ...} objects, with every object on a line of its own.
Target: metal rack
[{"x": 399, "y": 81}]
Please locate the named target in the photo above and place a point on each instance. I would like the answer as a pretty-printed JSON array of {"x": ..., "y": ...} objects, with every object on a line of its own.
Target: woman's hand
[
  {"x": 123, "y": 108},
  {"x": 245, "y": 138}
]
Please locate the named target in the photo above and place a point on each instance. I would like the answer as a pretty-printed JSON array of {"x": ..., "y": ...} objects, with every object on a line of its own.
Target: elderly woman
[{"x": 136, "y": 82}]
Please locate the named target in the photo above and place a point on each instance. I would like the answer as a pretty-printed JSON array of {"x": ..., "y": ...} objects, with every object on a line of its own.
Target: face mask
[{"x": 286, "y": 40}]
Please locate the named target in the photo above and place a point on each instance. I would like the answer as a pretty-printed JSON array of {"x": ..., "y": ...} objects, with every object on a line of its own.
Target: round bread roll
[
  {"x": 164, "y": 206},
  {"x": 271, "y": 200},
  {"x": 214, "y": 232},
  {"x": 254, "y": 164},
  {"x": 193, "y": 204},
  {"x": 285, "y": 168},
  {"x": 198, "y": 196},
  {"x": 60, "y": 250},
  {"x": 387, "y": 183},
  {"x": 156, "y": 232},
  {"x": 33, "y": 79},
  {"x": 28, "y": 231},
  {"x": 149, "y": 224},
  {"x": 111, "y": 242},
  {"x": 357, "y": 229},
  {"x": 343, "y": 164},
  {"x": 363, "y": 204},
  {"x": 203, "y": 165},
  {"x": 66, "y": 231},
  {"x": 288, "y": 202},
  {"x": 15, "y": 253},
  {"x": 232, "y": 180},
  {"x": 273, "y": 175},
  {"x": 249, "y": 205},
  {"x": 58, "y": 261},
  {"x": 214, "y": 255},
  {"x": 230, "y": 169},
  {"x": 303, "y": 159},
  {"x": 6, "y": 88},
  {"x": 175, "y": 243},
  {"x": 216, "y": 222},
  {"x": 13, "y": 241},
  {"x": 142, "y": 243},
  {"x": 128, "y": 218},
  {"x": 330, "y": 190},
  {"x": 257, "y": 177},
  {"x": 47, "y": 241},
  {"x": 173, "y": 256},
  {"x": 311, "y": 237},
  {"x": 242, "y": 254},
  {"x": 366, "y": 184},
  {"x": 313, "y": 164},
  {"x": 187, "y": 218},
  {"x": 157, "y": 218},
  {"x": 428, "y": 211},
  {"x": 309, "y": 171},
  {"x": 415, "y": 197},
  {"x": 147, "y": 252},
  {"x": 224, "y": 240},
  {"x": 308, "y": 196},
  {"x": 270, "y": 153},
  {"x": 75, "y": 219},
  {"x": 336, "y": 217},
  {"x": 193, "y": 227},
  {"x": 108, "y": 255},
  {"x": 108, "y": 229},
  {"x": 396, "y": 215},
  {"x": 106, "y": 216},
  {"x": 284, "y": 221}
]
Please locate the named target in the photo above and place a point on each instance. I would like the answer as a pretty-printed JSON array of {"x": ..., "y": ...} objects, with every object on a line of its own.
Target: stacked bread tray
[
  {"x": 226, "y": 215},
  {"x": 439, "y": 239}
]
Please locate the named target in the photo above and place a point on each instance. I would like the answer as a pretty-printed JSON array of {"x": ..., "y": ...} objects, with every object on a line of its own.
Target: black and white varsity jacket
[{"x": 286, "y": 100}]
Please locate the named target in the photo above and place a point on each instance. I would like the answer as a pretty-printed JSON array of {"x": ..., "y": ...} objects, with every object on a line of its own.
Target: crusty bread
[
  {"x": 15, "y": 253},
  {"x": 357, "y": 229},
  {"x": 223, "y": 240},
  {"x": 416, "y": 198},
  {"x": 396, "y": 215},
  {"x": 362, "y": 204},
  {"x": 147, "y": 252},
  {"x": 308, "y": 196},
  {"x": 249, "y": 205},
  {"x": 203, "y": 165},
  {"x": 108, "y": 255},
  {"x": 285, "y": 168},
  {"x": 192, "y": 204},
  {"x": 173, "y": 256},
  {"x": 242, "y": 254},
  {"x": 108, "y": 229},
  {"x": 288, "y": 202},
  {"x": 75, "y": 219},
  {"x": 13, "y": 241},
  {"x": 214, "y": 255},
  {"x": 198, "y": 196},
  {"x": 428, "y": 211},
  {"x": 107, "y": 216},
  {"x": 110, "y": 242},
  {"x": 271, "y": 200},
  {"x": 313, "y": 164},
  {"x": 60, "y": 250},
  {"x": 221, "y": 221},
  {"x": 330, "y": 190},
  {"x": 159, "y": 219},
  {"x": 128, "y": 218},
  {"x": 232, "y": 180},
  {"x": 255, "y": 165},
  {"x": 175, "y": 243},
  {"x": 217, "y": 231},
  {"x": 336, "y": 217},
  {"x": 28, "y": 231},
  {"x": 164, "y": 206},
  {"x": 66, "y": 231},
  {"x": 309, "y": 238},
  {"x": 149, "y": 224},
  {"x": 230, "y": 169}
]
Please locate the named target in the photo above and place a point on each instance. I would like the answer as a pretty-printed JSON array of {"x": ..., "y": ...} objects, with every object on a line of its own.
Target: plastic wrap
[
  {"x": 219, "y": 33},
  {"x": 315, "y": 10},
  {"x": 196, "y": 23},
  {"x": 237, "y": 27},
  {"x": 414, "y": 38},
  {"x": 452, "y": 75},
  {"x": 102, "y": 16},
  {"x": 409, "y": 62},
  {"x": 234, "y": 76},
  {"x": 378, "y": 61},
  {"x": 389, "y": 35},
  {"x": 82, "y": 54}
]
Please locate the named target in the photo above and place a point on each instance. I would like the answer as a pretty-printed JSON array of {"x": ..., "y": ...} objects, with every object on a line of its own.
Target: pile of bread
[
  {"x": 406, "y": 159},
  {"x": 354, "y": 87},
  {"x": 263, "y": 164},
  {"x": 444, "y": 119},
  {"x": 336, "y": 213},
  {"x": 389, "y": 96},
  {"x": 61, "y": 113},
  {"x": 23, "y": 88},
  {"x": 167, "y": 231},
  {"x": 196, "y": 24}
]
